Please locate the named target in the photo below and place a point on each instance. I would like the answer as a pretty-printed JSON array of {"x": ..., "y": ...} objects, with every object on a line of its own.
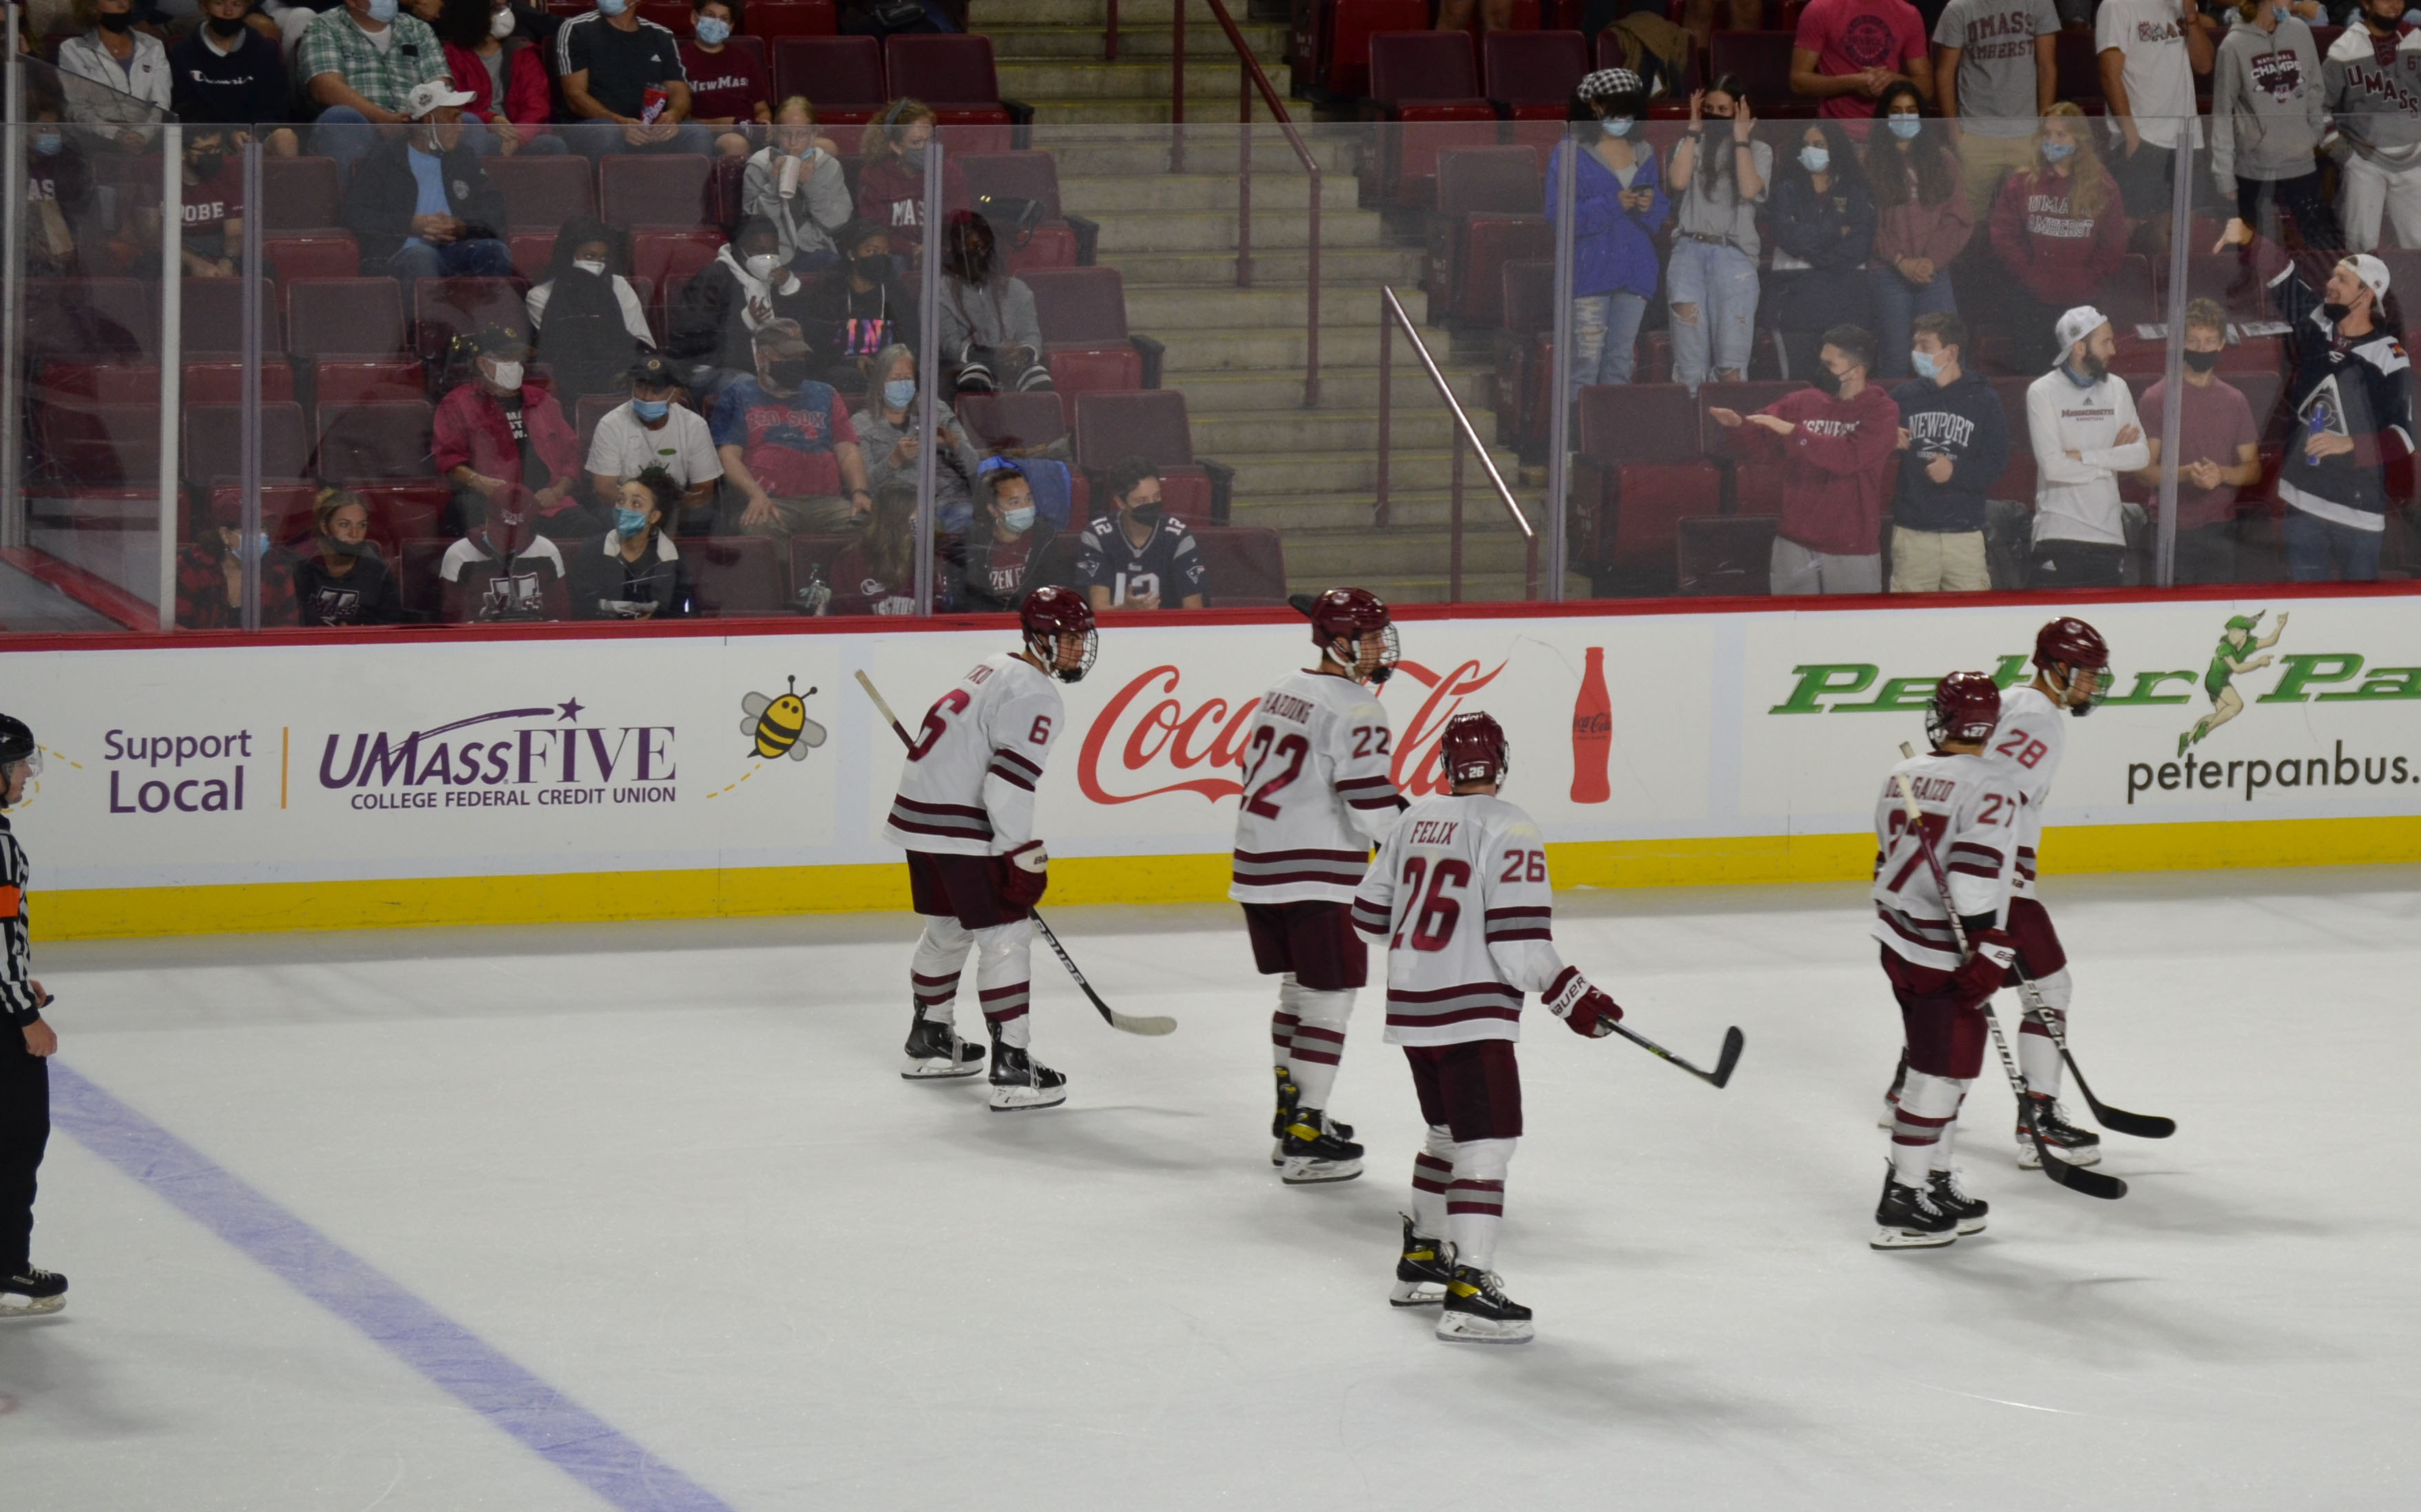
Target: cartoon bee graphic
[{"x": 780, "y": 726}]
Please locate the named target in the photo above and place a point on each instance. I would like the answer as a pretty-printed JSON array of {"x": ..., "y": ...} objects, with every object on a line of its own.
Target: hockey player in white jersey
[
  {"x": 964, "y": 813},
  {"x": 1971, "y": 817},
  {"x": 1460, "y": 892},
  {"x": 1318, "y": 795}
]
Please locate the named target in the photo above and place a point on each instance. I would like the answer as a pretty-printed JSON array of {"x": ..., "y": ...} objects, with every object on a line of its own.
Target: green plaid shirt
[{"x": 333, "y": 44}]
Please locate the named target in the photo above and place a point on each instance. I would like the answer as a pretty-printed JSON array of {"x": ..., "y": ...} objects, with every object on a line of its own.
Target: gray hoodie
[
  {"x": 998, "y": 314},
  {"x": 2377, "y": 105},
  {"x": 807, "y": 218},
  {"x": 2266, "y": 115}
]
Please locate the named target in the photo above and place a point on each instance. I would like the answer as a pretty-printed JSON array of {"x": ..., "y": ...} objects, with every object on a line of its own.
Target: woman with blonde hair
[
  {"x": 342, "y": 579},
  {"x": 2059, "y": 230},
  {"x": 891, "y": 176},
  {"x": 795, "y": 182}
]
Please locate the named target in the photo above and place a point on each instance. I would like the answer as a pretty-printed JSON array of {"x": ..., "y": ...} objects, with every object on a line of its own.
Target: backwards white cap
[
  {"x": 2076, "y": 325},
  {"x": 2373, "y": 273}
]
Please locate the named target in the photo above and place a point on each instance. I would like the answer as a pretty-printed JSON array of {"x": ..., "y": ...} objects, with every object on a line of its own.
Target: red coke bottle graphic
[{"x": 1592, "y": 732}]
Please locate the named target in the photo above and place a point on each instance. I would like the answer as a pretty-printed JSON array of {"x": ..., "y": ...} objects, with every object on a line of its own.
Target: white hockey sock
[
  {"x": 1474, "y": 1200},
  {"x": 1003, "y": 978},
  {"x": 934, "y": 971},
  {"x": 1943, "y": 1146},
  {"x": 1283, "y": 1021},
  {"x": 1432, "y": 1168},
  {"x": 1319, "y": 1043},
  {"x": 2037, "y": 1052},
  {"x": 1928, "y": 1106}
]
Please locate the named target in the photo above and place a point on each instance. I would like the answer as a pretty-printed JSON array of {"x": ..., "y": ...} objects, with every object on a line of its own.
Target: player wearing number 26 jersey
[{"x": 1316, "y": 795}]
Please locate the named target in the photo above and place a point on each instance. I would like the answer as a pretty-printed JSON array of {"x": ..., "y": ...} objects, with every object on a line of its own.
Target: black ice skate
[
  {"x": 1288, "y": 1092},
  {"x": 2077, "y": 1146},
  {"x": 1020, "y": 1082},
  {"x": 1951, "y": 1197},
  {"x": 1313, "y": 1151},
  {"x": 1907, "y": 1218},
  {"x": 30, "y": 1293},
  {"x": 1478, "y": 1311},
  {"x": 936, "y": 1050},
  {"x": 1423, "y": 1271}
]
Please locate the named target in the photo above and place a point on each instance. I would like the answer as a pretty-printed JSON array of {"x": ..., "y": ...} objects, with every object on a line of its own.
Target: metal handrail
[{"x": 1391, "y": 313}]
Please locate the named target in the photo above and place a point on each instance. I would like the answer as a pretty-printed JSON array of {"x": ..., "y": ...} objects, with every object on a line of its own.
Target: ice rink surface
[{"x": 670, "y": 1172}]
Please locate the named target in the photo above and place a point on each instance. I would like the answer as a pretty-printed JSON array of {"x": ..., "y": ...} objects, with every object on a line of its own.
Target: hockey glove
[
  {"x": 1584, "y": 1010},
  {"x": 1988, "y": 955},
  {"x": 1022, "y": 875}
]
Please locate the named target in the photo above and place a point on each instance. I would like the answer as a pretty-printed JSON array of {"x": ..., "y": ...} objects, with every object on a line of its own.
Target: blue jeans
[
  {"x": 603, "y": 139},
  {"x": 456, "y": 259},
  {"x": 481, "y": 139},
  {"x": 1721, "y": 280},
  {"x": 2322, "y": 551},
  {"x": 1605, "y": 339},
  {"x": 344, "y": 134},
  {"x": 1897, "y": 302}
]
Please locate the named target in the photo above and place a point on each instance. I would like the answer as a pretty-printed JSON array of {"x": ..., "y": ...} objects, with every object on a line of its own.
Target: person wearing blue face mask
[
  {"x": 1954, "y": 444},
  {"x": 2058, "y": 229},
  {"x": 58, "y": 195},
  {"x": 1823, "y": 222},
  {"x": 623, "y": 85},
  {"x": 360, "y": 63},
  {"x": 209, "y": 572},
  {"x": 886, "y": 430},
  {"x": 633, "y": 571},
  {"x": 1012, "y": 551},
  {"x": 653, "y": 430},
  {"x": 1617, "y": 204},
  {"x": 1921, "y": 220}
]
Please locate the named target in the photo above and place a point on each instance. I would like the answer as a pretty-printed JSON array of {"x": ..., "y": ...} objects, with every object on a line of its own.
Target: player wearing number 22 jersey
[{"x": 1460, "y": 892}]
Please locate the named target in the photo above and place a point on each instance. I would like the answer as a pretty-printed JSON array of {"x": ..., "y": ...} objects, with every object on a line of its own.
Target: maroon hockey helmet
[
  {"x": 1474, "y": 749},
  {"x": 1348, "y": 614},
  {"x": 2069, "y": 642},
  {"x": 1966, "y": 705},
  {"x": 1050, "y": 613}
]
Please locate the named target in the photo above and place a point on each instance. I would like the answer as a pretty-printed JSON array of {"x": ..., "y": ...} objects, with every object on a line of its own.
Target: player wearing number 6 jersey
[
  {"x": 1460, "y": 892},
  {"x": 1972, "y": 813},
  {"x": 1318, "y": 795},
  {"x": 965, "y": 815}
]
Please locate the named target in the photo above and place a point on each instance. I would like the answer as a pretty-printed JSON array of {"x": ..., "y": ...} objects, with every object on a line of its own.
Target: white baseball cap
[
  {"x": 2373, "y": 273},
  {"x": 434, "y": 94},
  {"x": 2076, "y": 325}
]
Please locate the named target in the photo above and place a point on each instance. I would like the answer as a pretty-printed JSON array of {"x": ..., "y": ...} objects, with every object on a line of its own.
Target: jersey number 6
[
  {"x": 936, "y": 721},
  {"x": 1293, "y": 748}
]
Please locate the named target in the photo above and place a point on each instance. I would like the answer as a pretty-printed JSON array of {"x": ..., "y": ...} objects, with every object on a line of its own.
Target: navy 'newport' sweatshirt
[{"x": 1962, "y": 420}]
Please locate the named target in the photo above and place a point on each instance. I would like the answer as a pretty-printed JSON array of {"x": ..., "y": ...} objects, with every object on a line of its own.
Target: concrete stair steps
[
  {"x": 1350, "y": 556},
  {"x": 1024, "y": 42},
  {"x": 1099, "y": 113},
  {"x": 1091, "y": 150},
  {"x": 1415, "y": 428},
  {"x": 1211, "y": 185},
  {"x": 1161, "y": 311},
  {"x": 1285, "y": 349},
  {"x": 985, "y": 15},
  {"x": 1276, "y": 224},
  {"x": 1247, "y": 391},
  {"x": 1210, "y": 81},
  {"x": 1204, "y": 272},
  {"x": 1355, "y": 470},
  {"x": 1413, "y": 509}
]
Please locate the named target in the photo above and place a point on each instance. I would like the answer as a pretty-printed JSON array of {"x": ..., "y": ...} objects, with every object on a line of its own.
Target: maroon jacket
[
  {"x": 1844, "y": 457},
  {"x": 890, "y": 194},
  {"x": 2059, "y": 253},
  {"x": 471, "y": 429}
]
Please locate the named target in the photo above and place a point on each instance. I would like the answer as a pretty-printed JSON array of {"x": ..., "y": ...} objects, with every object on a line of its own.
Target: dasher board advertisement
[{"x": 300, "y": 762}]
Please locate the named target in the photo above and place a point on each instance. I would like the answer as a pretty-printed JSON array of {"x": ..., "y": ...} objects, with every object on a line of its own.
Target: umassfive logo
[{"x": 540, "y": 755}]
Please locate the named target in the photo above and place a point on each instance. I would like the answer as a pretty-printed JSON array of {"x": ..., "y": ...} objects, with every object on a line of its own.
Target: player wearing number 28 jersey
[{"x": 1317, "y": 796}]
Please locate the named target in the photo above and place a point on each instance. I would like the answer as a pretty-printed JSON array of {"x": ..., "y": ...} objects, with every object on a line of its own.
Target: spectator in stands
[
  {"x": 711, "y": 332},
  {"x": 2083, "y": 421},
  {"x": 1841, "y": 439},
  {"x": 2058, "y": 229},
  {"x": 1823, "y": 236},
  {"x": 2377, "y": 108},
  {"x": 875, "y": 573},
  {"x": 585, "y": 318},
  {"x": 1720, "y": 172},
  {"x": 2351, "y": 396},
  {"x": 2150, "y": 50},
  {"x": 728, "y": 87},
  {"x": 130, "y": 68},
  {"x": 788, "y": 445},
  {"x": 58, "y": 194},
  {"x": 361, "y": 63},
  {"x": 225, "y": 72},
  {"x": 891, "y": 176},
  {"x": 2218, "y": 450},
  {"x": 1847, "y": 53},
  {"x": 213, "y": 202},
  {"x": 856, "y": 309},
  {"x": 1997, "y": 71},
  {"x": 420, "y": 205},
  {"x": 1700, "y": 18},
  {"x": 795, "y": 182},
  {"x": 1007, "y": 555},
  {"x": 504, "y": 441},
  {"x": 344, "y": 581},
  {"x": 1617, "y": 204},
  {"x": 1954, "y": 443},
  {"x": 511, "y": 98},
  {"x": 1921, "y": 221},
  {"x": 209, "y": 572},
  {"x": 1138, "y": 558},
  {"x": 653, "y": 432},
  {"x": 633, "y": 571},
  {"x": 990, "y": 337},
  {"x": 499, "y": 570},
  {"x": 2266, "y": 124},
  {"x": 623, "y": 85},
  {"x": 887, "y": 433}
]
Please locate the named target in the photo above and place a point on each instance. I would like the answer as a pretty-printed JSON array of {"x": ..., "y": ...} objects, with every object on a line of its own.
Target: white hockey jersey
[
  {"x": 1972, "y": 813},
  {"x": 968, "y": 786},
  {"x": 1460, "y": 892},
  {"x": 1317, "y": 793},
  {"x": 2029, "y": 741}
]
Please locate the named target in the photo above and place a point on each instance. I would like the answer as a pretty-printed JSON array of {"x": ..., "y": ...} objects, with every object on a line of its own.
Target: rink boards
[{"x": 303, "y": 783}]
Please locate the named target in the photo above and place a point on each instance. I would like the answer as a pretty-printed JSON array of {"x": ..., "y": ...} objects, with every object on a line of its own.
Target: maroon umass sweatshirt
[{"x": 1843, "y": 463}]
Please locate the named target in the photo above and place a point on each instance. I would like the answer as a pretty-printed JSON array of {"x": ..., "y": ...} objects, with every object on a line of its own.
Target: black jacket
[
  {"x": 364, "y": 596},
  {"x": 378, "y": 202},
  {"x": 1834, "y": 233},
  {"x": 827, "y": 324},
  {"x": 598, "y": 576},
  {"x": 970, "y": 588}
]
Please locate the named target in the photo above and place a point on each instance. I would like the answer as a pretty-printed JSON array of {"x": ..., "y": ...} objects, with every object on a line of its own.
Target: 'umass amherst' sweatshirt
[
  {"x": 1841, "y": 467},
  {"x": 1963, "y": 421}
]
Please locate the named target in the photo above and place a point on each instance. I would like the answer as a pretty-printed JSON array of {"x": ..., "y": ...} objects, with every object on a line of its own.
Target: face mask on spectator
[
  {"x": 1145, "y": 514},
  {"x": 1815, "y": 159},
  {"x": 1825, "y": 379},
  {"x": 507, "y": 375},
  {"x": 383, "y": 11},
  {"x": 2335, "y": 312},
  {"x": 630, "y": 523},
  {"x": 1617, "y": 125},
  {"x": 898, "y": 392},
  {"x": 118, "y": 21},
  {"x": 787, "y": 372},
  {"x": 222, "y": 28},
  {"x": 761, "y": 266},
  {"x": 207, "y": 165},
  {"x": 1019, "y": 521},
  {"x": 2201, "y": 362},
  {"x": 1926, "y": 364},
  {"x": 501, "y": 23},
  {"x": 874, "y": 267},
  {"x": 713, "y": 30},
  {"x": 2058, "y": 151},
  {"x": 345, "y": 548},
  {"x": 1903, "y": 127},
  {"x": 651, "y": 410},
  {"x": 611, "y": 7},
  {"x": 258, "y": 546},
  {"x": 590, "y": 266},
  {"x": 49, "y": 143}
]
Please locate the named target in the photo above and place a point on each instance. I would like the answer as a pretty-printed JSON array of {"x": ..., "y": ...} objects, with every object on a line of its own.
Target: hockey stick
[
  {"x": 1151, "y": 1024},
  {"x": 1733, "y": 1040},
  {"x": 2118, "y": 1120},
  {"x": 2075, "y": 1178}
]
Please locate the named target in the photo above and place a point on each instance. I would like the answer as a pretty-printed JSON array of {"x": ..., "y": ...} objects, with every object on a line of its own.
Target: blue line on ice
[{"x": 574, "y": 1439}]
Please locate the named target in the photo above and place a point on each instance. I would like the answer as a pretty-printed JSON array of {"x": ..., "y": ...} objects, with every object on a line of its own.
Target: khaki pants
[
  {"x": 1938, "y": 561},
  {"x": 1987, "y": 160},
  {"x": 827, "y": 515}
]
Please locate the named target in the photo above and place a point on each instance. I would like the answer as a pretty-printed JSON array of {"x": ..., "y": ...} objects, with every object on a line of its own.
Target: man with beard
[{"x": 2085, "y": 433}]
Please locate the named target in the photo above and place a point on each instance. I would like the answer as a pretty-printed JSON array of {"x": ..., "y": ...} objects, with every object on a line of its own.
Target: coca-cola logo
[{"x": 1147, "y": 733}]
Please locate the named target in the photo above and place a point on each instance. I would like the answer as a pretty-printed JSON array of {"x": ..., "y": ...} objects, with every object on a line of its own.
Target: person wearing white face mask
[
  {"x": 500, "y": 70},
  {"x": 710, "y": 333},
  {"x": 887, "y": 433},
  {"x": 586, "y": 319},
  {"x": 419, "y": 203},
  {"x": 655, "y": 431},
  {"x": 504, "y": 441},
  {"x": 1011, "y": 553},
  {"x": 361, "y": 62}
]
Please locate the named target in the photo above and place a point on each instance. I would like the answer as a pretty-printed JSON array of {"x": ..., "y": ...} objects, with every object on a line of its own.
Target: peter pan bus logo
[{"x": 506, "y": 757}]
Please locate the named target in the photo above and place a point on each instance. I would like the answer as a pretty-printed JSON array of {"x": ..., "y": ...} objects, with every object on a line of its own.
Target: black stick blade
[
  {"x": 2141, "y": 1125},
  {"x": 1733, "y": 1041},
  {"x": 1302, "y": 603},
  {"x": 2075, "y": 1178}
]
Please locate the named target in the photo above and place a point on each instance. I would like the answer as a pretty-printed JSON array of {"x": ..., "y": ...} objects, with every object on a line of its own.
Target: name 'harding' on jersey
[
  {"x": 968, "y": 786},
  {"x": 1167, "y": 565},
  {"x": 1317, "y": 793},
  {"x": 1972, "y": 813},
  {"x": 1460, "y": 892},
  {"x": 2028, "y": 741}
]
